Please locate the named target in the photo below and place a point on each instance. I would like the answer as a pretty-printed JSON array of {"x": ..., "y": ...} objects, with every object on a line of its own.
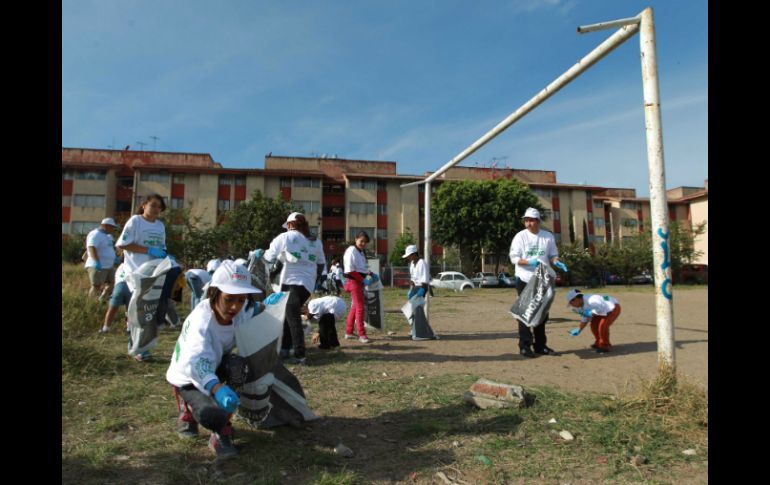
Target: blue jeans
[{"x": 121, "y": 295}]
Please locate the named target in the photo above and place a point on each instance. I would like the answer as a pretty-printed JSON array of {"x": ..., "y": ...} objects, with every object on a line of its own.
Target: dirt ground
[{"x": 479, "y": 336}]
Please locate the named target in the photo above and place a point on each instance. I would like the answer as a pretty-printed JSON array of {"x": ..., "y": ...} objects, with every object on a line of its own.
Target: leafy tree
[
  {"x": 681, "y": 245},
  {"x": 404, "y": 239},
  {"x": 475, "y": 215},
  {"x": 254, "y": 223},
  {"x": 72, "y": 247}
]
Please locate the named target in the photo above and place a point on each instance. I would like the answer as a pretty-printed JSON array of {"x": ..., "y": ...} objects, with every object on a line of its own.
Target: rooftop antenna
[
  {"x": 141, "y": 145},
  {"x": 154, "y": 142}
]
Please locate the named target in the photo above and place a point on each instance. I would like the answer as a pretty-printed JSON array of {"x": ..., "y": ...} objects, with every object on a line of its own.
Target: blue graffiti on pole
[{"x": 665, "y": 287}]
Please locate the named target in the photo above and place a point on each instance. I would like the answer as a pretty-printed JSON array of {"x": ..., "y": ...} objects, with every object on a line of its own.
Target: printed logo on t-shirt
[
  {"x": 204, "y": 367},
  {"x": 534, "y": 251}
]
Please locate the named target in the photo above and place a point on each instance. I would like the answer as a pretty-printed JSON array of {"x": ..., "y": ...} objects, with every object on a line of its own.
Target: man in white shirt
[
  {"x": 100, "y": 264},
  {"x": 303, "y": 260},
  {"x": 530, "y": 247}
]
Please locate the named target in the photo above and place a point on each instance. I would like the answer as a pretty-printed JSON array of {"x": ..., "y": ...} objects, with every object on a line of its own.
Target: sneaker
[
  {"x": 186, "y": 429},
  {"x": 600, "y": 350},
  {"x": 222, "y": 446},
  {"x": 364, "y": 339},
  {"x": 104, "y": 330},
  {"x": 298, "y": 360},
  {"x": 143, "y": 357},
  {"x": 546, "y": 351},
  {"x": 527, "y": 352},
  {"x": 350, "y": 336}
]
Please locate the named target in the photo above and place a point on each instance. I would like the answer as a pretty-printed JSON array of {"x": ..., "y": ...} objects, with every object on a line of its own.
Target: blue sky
[{"x": 413, "y": 81}]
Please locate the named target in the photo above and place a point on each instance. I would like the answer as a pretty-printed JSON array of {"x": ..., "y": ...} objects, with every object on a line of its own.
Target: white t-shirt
[
  {"x": 144, "y": 233},
  {"x": 419, "y": 273},
  {"x": 327, "y": 304},
  {"x": 300, "y": 257},
  {"x": 526, "y": 245},
  {"x": 336, "y": 271},
  {"x": 354, "y": 260},
  {"x": 201, "y": 346},
  {"x": 102, "y": 242},
  {"x": 202, "y": 274},
  {"x": 600, "y": 305}
]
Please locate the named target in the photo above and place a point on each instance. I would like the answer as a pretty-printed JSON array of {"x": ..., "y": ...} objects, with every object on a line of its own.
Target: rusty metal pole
[{"x": 664, "y": 304}]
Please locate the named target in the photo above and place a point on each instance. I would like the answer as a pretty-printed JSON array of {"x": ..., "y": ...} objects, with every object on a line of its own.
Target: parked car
[
  {"x": 692, "y": 274},
  {"x": 506, "y": 280},
  {"x": 485, "y": 280},
  {"x": 614, "y": 279},
  {"x": 642, "y": 279},
  {"x": 452, "y": 280}
]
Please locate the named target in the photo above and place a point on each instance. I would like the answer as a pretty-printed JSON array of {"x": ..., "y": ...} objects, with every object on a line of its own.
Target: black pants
[
  {"x": 293, "y": 336},
  {"x": 328, "y": 332},
  {"x": 165, "y": 294},
  {"x": 525, "y": 333},
  {"x": 204, "y": 409}
]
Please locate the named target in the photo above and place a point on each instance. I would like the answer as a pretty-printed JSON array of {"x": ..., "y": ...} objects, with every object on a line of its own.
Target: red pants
[
  {"x": 357, "y": 307},
  {"x": 600, "y": 327}
]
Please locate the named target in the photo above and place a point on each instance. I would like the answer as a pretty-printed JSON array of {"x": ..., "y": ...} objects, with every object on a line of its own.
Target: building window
[
  {"x": 125, "y": 182},
  {"x": 223, "y": 205},
  {"x": 629, "y": 222},
  {"x": 82, "y": 227},
  {"x": 237, "y": 203},
  {"x": 88, "y": 201},
  {"x": 362, "y": 208},
  {"x": 306, "y": 182},
  {"x": 382, "y": 233},
  {"x": 545, "y": 193},
  {"x": 382, "y": 209},
  {"x": 334, "y": 236},
  {"x": 177, "y": 203},
  {"x": 363, "y": 184},
  {"x": 178, "y": 178},
  {"x": 225, "y": 180},
  {"x": 154, "y": 177},
  {"x": 91, "y": 175},
  {"x": 598, "y": 204},
  {"x": 629, "y": 205},
  {"x": 590, "y": 216},
  {"x": 333, "y": 211},
  {"x": 355, "y": 230},
  {"x": 596, "y": 239},
  {"x": 382, "y": 186},
  {"x": 68, "y": 175},
  {"x": 309, "y": 206},
  {"x": 285, "y": 181},
  {"x": 598, "y": 221},
  {"x": 65, "y": 227},
  {"x": 240, "y": 180},
  {"x": 122, "y": 206},
  {"x": 333, "y": 189},
  {"x": 545, "y": 214}
]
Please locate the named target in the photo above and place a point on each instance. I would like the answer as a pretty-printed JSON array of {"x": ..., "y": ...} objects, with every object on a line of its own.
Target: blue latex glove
[
  {"x": 411, "y": 292},
  {"x": 574, "y": 331},
  {"x": 368, "y": 281},
  {"x": 98, "y": 265},
  {"x": 533, "y": 261},
  {"x": 374, "y": 277},
  {"x": 156, "y": 252},
  {"x": 561, "y": 266},
  {"x": 273, "y": 298},
  {"x": 227, "y": 399},
  {"x": 586, "y": 313},
  {"x": 420, "y": 291}
]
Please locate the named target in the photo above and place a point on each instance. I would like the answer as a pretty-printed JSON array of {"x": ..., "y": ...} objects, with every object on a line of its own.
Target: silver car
[
  {"x": 452, "y": 280},
  {"x": 485, "y": 280}
]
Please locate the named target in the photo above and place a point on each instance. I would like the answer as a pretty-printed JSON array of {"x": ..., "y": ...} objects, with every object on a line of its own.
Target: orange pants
[{"x": 600, "y": 327}]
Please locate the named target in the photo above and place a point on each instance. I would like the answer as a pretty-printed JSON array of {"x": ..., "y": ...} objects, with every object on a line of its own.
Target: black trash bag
[{"x": 534, "y": 302}]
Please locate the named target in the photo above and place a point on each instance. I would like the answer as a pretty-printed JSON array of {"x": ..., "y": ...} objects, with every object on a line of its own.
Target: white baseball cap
[
  {"x": 232, "y": 279},
  {"x": 212, "y": 265},
  {"x": 571, "y": 294},
  {"x": 411, "y": 249},
  {"x": 292, "y": 217},
  {"x": 532, "y": 213},
  {"x": 241, "y": 261},
  {"x": 109, "y": 221}
]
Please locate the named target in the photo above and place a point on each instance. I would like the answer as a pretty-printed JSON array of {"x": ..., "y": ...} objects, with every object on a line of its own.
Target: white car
[{"x": 452, "y": 280}]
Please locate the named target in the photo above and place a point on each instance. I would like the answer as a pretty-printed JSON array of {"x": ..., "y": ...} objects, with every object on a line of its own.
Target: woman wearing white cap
[
  {"x": 196, "y": 371},
  {"x": 100, "y": 262},
  {"x": 419, "y": 283},
  {"x": 530, "y": 247}
]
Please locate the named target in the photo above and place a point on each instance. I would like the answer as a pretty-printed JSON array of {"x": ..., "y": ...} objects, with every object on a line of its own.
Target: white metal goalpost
[{"x": 644, "y": 24}]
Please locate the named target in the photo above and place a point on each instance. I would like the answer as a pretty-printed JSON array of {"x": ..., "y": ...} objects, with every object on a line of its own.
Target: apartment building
[{"x": 340, "y": 197}]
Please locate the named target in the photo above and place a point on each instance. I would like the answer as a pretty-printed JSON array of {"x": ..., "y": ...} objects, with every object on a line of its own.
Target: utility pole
[{"x": 154, "y": 142}]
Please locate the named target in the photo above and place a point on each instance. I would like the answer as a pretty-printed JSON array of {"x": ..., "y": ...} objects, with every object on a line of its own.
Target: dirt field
[{"x": 479, "y": 336}]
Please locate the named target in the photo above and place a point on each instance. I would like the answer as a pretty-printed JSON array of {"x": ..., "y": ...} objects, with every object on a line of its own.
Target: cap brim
[{"x": 236, "y": 289}]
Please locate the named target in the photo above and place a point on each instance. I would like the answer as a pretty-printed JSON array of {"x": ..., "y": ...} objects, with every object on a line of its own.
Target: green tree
[
  {"x": 254, "y": 223},
  {"x": 681, "y": 245},
  {"x": 403, "y": 240},
  {"x": 73, "y": 247},
  {"x": 475, "y": 215}
]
